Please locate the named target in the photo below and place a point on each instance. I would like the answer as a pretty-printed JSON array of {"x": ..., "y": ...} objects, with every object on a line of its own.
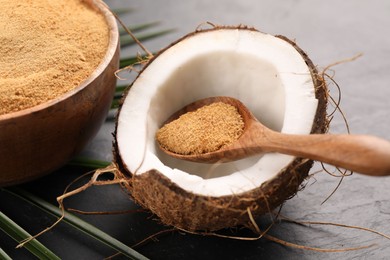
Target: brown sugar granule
[
  {"x": 205, "y": 130},
  {"x": 47, "y": 48}
]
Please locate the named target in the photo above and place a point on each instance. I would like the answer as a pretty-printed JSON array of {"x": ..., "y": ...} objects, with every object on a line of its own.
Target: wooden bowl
[{"x": 41, "y": 139}]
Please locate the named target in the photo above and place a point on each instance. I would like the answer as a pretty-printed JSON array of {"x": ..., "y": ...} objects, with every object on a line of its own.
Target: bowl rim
[{"x": 113, "y": 44}]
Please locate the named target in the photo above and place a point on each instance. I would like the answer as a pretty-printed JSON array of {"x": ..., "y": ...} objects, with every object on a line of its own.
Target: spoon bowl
[{"x": 364, "y": 154}]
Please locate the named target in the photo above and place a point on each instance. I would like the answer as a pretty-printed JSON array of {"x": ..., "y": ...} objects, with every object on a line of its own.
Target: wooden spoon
[{"x": 359, "y": 153}]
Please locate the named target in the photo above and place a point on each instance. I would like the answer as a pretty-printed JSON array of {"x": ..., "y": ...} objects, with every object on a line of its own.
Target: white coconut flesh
[{"x": 265, "y": 72}]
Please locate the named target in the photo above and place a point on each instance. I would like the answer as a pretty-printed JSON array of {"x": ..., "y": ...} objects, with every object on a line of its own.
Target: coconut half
[{"x": 272, "y": 76}]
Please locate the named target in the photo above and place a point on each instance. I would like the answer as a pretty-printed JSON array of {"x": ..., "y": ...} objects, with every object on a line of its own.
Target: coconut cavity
[{"x": 269, "y": 74}]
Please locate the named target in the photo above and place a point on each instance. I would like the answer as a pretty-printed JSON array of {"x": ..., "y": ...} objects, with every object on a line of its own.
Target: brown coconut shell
[{"x": 185, "y": 210}]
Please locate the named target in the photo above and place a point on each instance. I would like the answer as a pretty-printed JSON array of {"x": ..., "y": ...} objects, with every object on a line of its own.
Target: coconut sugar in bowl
[{"x": 35, "y": 140}]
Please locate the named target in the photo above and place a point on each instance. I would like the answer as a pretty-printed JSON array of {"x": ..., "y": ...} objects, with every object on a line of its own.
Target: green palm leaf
[{"x": 19, "y": 234}]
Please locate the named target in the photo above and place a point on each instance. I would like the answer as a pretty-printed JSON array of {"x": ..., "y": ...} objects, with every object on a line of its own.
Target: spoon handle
[{"x": 359, "y": 153}]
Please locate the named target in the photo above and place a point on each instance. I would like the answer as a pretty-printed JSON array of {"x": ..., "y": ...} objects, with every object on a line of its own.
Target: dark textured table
[{"x": 329, "y": 31}]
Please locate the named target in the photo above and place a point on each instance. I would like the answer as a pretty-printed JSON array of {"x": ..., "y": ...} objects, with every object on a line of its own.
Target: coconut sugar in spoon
[{"x": 364, "y": 154}]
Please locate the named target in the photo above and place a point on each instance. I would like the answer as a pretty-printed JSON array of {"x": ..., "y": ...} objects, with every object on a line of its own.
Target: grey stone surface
[{"x": 329, "y": 31}]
